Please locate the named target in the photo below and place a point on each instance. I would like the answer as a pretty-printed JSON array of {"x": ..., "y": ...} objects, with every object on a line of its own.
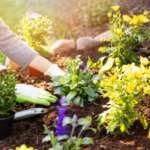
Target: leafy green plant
[
  {"x": 7, "y": 92},
  {"x": 95, "y": 11},
  {"x": 77, "y": 83},
  {"x": 36, "y": 31},
  {"x": 63, "y": 141},
  {"x": 126, "y": 38},
  {"x": 124, "y": 87}
]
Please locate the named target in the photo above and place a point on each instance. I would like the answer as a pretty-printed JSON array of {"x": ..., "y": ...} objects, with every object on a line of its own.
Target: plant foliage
[
  {"x": 78, "y": 83},
  {"x": 36, "y": 31},
  {"x": 95, "y": 11},
  {"x": 128, "y": 33},
  {"x": 7, "y": 92},
  {"x": 124, "y": 87}
]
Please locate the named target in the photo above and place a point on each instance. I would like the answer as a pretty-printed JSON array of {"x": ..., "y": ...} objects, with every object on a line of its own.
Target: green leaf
[
  {"x": 87, "y": 140},
  {"x": 70, "y": 96},
  {"x": 92, "y": 99},
  {"x": 46, "y": 139},
  {"x": 134, "y": 56},
  {"x": 97, "y": 77},
  {"x": 56, "y": 78},
  {"x": 63, "y": 137},
  {"x": 83, "y": 121},
  {"x": 59, "y": 90},
  {"x": 93, "y": 129},
  {"x": 89, "y": 91},
  {"x": 67, "y": 120}
]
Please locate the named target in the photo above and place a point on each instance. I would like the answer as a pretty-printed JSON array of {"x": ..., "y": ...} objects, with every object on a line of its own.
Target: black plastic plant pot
[{"x": 6, "y": 125}]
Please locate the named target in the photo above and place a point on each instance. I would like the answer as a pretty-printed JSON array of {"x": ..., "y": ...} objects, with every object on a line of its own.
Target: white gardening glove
[
  {"x": 54, "y": 70},
  {"x": 2, "y": 67},
  {"x": 34, "y": 93}
]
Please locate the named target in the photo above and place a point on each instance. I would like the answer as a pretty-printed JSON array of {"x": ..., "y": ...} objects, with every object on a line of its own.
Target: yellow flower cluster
[
  {"x": 131, "y": 88},
  {"x": 132, "y": 70},
  {"x": 24, "y": 147},
  {"x": 136, "y": 19}
]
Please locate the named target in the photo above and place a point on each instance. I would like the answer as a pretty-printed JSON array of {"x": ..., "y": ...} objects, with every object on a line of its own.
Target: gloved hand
[
  {"x": 36, "y": 95},
  {"x": 54, "y": 70}
]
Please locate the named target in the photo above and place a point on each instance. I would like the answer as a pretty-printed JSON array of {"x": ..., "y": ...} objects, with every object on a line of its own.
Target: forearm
[
  {"x": 12, "y": 46},
  {"x": 40, "y": 63}
]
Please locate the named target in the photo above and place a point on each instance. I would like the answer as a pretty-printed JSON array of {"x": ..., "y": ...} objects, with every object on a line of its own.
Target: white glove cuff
[{"x": 54, "y": 70}]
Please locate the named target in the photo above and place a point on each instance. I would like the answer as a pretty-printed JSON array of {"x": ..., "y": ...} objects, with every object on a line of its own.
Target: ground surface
[{"x": 30, "y": 131}]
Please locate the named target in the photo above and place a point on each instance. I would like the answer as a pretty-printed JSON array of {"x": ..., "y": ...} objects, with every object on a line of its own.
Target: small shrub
[
  {"x": 124, "y": 87},
  {"x": 128, "y": 34},
  {"x": 95, "y": 11},
  {"x": 7, "y": 92},
  {"x": 36, "y": 31}
]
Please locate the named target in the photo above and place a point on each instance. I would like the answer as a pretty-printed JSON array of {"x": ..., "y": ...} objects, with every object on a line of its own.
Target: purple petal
[{"x": 62, "y": 100}]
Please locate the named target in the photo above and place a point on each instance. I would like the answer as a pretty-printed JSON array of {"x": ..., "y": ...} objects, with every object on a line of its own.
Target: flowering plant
[
  {"x": 7, "y": 92},
  {"x": 126, "y": 38},
  {"x": 124, "y": 87},
  {"x": 78, "y": 83},
  {"x": 24, "y": 147},
  {"x": 64, "y": 142},
  {"x": 36, "y": 31}
]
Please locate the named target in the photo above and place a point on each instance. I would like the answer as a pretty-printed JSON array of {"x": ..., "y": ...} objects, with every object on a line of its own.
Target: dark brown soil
[{"x": 30, "y": 131}]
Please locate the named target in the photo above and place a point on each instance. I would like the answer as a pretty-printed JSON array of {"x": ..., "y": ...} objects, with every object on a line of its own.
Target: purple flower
[
  {"x": 82, "y": 66},
  {"x": 75, "y": 119},
  {"x": 62, "y": 100},
  {"x": 61, "y": 130},
  {"x": 33, "y": 16}
]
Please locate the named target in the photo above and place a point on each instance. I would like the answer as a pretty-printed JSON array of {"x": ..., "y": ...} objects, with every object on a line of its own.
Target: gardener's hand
[
  {"x": 34, "y": 92},
  {"x": 54, "y": 70}
]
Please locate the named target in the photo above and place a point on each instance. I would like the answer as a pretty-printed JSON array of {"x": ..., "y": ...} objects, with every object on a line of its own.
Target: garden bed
[{"x": 30, "y": 131}]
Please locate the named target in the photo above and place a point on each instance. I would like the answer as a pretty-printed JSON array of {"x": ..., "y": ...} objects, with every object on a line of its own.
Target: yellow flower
[
  {"x": 117, "y": 60},
  {"x": 120, "y": 20},
  {"x": 110, "y": 15},
  {"x": 145, "y": 12},
  {"x": 135, "y": 26},
  {"x": 112, "y": 79},
  {"x": 128, "y": 73},
  {"x": 24, "y": 147},
  {"x": 131, "y": 88},
  {"x": 143, "y": 68},
  {"x": 143, "y": 19},
  {"x": 115, "y": 8},
  {"x": 126, "y": 18},
  {"x": 101, "y": 72},
  {"x": 148, "y": 136},
  {"x": 125, "y": 67},
  {"x": 147, "y": 89},
  {"x": 102, "y": 39},
  {"x": 95, "y": 81},
  {"x": 147, "y": 73},
  {"x": 137, "y": 71},
  {"x": 119, "y": 32},
  {"x": 108, "y": 65},
  {"x": 144, "y": 61},
  {"x": 102, "y": 84}
]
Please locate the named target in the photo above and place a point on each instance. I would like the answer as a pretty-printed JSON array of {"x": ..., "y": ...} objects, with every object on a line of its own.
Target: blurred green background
[{"x": 12, "y": 11}]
